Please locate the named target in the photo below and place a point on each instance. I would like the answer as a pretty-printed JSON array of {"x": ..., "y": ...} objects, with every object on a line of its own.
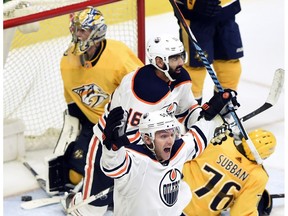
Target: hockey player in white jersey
[
  {"x": 161, "y": 84},
  {"x": 148, "y": 177}
]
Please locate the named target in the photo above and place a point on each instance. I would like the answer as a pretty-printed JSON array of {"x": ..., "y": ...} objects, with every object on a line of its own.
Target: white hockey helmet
[
  {"x": 88, "y": 19},
  {"x": 164, "y": 46},
  {"x": 152, "y": 122}
]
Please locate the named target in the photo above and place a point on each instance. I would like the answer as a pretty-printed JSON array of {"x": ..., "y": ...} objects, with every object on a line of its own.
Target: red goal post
[{"x": 35, "y": 37}]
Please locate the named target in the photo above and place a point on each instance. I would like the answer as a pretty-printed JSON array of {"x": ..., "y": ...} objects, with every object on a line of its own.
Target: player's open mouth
[
  {"x": 167, "y": 150},
  {"x": 178, "y": 70}
]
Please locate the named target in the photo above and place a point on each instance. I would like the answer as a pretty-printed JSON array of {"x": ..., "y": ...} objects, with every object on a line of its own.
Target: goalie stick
[
  {"x": 48, "y": 201},
  {"x": 41, "y": 181},
  {"x": 40, "y": 202},
  {"x": 37, "y": 203}
]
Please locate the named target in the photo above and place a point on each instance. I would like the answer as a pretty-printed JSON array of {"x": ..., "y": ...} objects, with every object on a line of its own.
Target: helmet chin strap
[
  {"x": 165, "y": 71},
  {"x": 153, "y": 150},
  {"x": 153, "y": 147}
]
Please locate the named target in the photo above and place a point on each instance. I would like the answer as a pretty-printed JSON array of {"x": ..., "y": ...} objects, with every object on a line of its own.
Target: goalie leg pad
[{"x": 70, "y": 132}]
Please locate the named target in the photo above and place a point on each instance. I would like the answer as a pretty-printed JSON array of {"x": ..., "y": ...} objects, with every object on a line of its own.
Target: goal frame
[{"x": 79, "y": 6}]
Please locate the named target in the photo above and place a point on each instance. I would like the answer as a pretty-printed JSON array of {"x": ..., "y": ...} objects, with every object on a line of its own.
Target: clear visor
[
  {"x": 175, "y": 131},
  {"x": 182, "y": 55}
]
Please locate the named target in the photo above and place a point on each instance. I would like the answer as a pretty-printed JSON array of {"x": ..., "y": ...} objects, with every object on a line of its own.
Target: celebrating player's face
[
  {"x": 164, "y": 141},
  {"x": 176, "y": 62}
]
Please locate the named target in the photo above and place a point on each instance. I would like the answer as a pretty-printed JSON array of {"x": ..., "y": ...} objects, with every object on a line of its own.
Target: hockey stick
[
  {"x": 48, "y": 201},
  {"x": 275, "y": 91},
  {"x": 40, "y": 202},
  {"x": 41, "y": 181},
  {"x": 276, "y": 196},
  {"x": 89, "y": 200},
  {"x": 215, "y": 80}
]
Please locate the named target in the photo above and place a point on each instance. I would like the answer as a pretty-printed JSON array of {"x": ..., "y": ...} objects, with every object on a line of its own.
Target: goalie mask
[
  {"x": 264, "y": 142},
  {"x": 89, "y": 19},
  {"x": 164, "y": 47},
  {"x": 155, "y": 121}
]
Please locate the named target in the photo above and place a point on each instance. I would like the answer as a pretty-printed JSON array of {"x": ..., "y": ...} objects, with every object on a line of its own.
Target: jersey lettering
[
  {"x": 233, "y": 168},
  {"x": 225, "y": 197},
  {"x": 134, "y": 117}
]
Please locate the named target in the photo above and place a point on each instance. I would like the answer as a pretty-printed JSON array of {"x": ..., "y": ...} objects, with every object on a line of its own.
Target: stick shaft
[{"x": 215, "y": 80}]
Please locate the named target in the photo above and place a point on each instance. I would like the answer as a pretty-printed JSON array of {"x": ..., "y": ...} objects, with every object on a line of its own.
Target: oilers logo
[
  {"x": 169, "y": 187},
  {"x": 91, "y": 95},
  {"x": 171, "y": 108}
]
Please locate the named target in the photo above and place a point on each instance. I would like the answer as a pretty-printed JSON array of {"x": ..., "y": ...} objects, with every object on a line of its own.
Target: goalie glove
[
  {"x": 221, "y": 133},
  {"x": 114, "y": 132}
]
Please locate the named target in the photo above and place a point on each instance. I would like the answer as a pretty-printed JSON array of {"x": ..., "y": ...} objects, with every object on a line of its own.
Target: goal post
[{"x": 35, "y": 37}]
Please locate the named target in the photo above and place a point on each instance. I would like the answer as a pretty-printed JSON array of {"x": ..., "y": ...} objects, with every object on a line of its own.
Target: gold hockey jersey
[
  {"x": 89, "y": 84},
  {"x": 223, "y": 178}
]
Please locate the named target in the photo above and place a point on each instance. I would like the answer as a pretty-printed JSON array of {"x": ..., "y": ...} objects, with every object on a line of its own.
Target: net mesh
[{"x": 32, "y": 85}]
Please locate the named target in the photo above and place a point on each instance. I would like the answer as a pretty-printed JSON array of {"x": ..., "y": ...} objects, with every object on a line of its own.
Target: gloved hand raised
[
  {"x": 221, "y": 133},
  {"x": 209, "y": 8},
  {"x": 114, "y": 132},
  {"x": 218, "y": 102}
]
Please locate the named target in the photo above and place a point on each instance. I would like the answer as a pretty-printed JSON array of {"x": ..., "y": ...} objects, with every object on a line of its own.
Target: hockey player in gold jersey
[
  {"x": 91, "y": 68},
  {"x": 217, "y": 33},
  {"x": 227, "y": 176}
]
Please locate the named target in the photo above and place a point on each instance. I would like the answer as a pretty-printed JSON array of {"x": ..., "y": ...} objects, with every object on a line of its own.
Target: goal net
[{"x": 36, "y": 34}]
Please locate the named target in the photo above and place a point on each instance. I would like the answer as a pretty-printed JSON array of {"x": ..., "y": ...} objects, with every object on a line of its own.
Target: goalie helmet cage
[{"x": 32, "y": 84}]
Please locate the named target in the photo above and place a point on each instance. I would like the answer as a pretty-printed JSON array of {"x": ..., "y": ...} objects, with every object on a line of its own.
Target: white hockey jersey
[
  {"x": 143, "y": 91},
  {"x": 143, "y": 185},
  {"x": 139, "y": 92}
]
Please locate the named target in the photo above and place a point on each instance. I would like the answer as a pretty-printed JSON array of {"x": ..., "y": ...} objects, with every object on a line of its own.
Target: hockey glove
[
  {"x": 114, "y": 132},
  {"x": 218, "y": 103},
  {"x": 70, "y": 200},
  {"x": 221, "y": 133},
  {"x": 209, "y": 8},
  {"x": 265, "y": 205}
]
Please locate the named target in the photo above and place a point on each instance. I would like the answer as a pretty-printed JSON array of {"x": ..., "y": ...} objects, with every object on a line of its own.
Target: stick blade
[
  {"x": 40, "y": 202},
  {"x": 276, "y": 87}
]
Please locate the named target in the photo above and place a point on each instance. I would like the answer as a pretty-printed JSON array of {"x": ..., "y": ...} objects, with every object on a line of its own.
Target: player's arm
[
  {"x": 210, "y": 119},
  {"x": 115, "y": 161}
]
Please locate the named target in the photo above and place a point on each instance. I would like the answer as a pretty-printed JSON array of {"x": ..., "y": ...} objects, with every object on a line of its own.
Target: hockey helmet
[
  {"x": 152, "y": 122},
  {"x": 88, "y": 19},
  {"x": 164, "y": 46},
  {"x": 264, "y": 142}
]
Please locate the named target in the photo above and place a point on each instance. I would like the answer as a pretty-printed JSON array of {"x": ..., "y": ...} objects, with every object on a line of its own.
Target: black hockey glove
[
  {"x": 221, "y": 133},
  {"x": 217, "y": 104},
  {"x": 265, "y": 205},
  {"x": 209, "y": 8},
  {"x": 114, "y": 132}
]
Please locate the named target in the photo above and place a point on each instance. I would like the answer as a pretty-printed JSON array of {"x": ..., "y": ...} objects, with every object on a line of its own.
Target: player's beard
[{"x": 174, "y": 75}]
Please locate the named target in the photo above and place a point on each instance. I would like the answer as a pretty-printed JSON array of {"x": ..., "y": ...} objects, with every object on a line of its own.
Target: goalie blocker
[{"x": 57, "y": 176}]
